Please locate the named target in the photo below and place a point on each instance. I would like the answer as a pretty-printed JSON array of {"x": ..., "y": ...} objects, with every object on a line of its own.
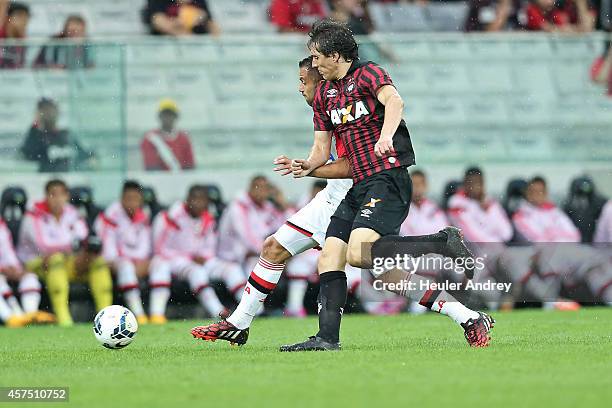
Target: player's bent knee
[
  {"x": 354, "y": 256},
  {"x": 274, "y": 252}
]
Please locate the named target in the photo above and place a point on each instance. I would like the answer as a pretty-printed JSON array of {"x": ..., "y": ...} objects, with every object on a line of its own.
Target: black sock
[
  {"x": 391, "y": 245},
  {"x": 332, "y": 298}
]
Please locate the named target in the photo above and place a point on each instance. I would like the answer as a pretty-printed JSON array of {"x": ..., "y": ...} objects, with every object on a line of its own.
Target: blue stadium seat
[
  {"x": 447, "y": 16},
  {"x": 397, "y": 18}
]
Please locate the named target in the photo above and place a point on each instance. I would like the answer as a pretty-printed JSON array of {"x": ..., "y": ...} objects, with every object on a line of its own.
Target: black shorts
[{"x": 379, "y": 202}]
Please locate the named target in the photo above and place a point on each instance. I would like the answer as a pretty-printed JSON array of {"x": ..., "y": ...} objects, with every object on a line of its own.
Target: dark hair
[
  {"x": 537, "y": 179},
  {"x": 132, "y": 185},
  {"x": 418, "y": 172},
  {"x": 258, "y": 177},
  {"x": 45, "y": 103},
  {"x": 55, "y": 183},
  {"x": 328, "y": 36},
  {"x": 473, "y": 171},
  {"x": 197, "y": 188},
  {"x": 306, "y": 63},
  {"x": 15, "y": 7}
]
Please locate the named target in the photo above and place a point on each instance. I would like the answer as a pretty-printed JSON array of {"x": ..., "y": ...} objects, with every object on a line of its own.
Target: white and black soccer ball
[{"x": 115, "y": 327}]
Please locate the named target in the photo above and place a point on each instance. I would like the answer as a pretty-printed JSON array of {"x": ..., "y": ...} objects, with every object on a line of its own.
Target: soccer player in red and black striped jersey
[{"x": 358, "y": 102}]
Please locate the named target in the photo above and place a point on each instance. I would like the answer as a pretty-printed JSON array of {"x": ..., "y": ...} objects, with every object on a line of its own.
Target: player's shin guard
[
  {"x": 331, "y": 301},
  {"x": 100, "y": 283},
  {"x": 262, "y": 281},
  {"x": 29, "y": 292},
  {"x": 128, "y": 284},
  {"x": 58, "y": 288}
]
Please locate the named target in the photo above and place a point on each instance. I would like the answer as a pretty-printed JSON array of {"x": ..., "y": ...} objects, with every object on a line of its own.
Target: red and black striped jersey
[{"x": 350, "y": 108}]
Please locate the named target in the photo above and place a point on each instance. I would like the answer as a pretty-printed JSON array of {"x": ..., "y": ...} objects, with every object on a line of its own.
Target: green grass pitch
[{"x": 537, "y": 359}]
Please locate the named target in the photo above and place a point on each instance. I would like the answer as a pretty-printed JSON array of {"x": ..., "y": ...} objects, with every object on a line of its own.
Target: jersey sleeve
[
  {"x": 374, "y": 78},
  {"x": 320, "y": 118}
]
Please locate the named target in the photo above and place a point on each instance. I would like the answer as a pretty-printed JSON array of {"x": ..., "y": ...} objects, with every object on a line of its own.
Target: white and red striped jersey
[
  {"x": 424, "y": 218},
  {"x": 41, "y": 234},
  {"x": 245, "y": 225},
  {"x": 178, "y": 235},
  {"x": 8, "y": 257},
  {"x": 545, "y": 223},
  {"x": 123, "y": 237},
  {"x": 479, "y": 222},
  {"x": 603, "y": 231}
]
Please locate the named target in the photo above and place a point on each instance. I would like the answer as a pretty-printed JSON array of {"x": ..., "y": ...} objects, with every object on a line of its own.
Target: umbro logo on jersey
[
  {"x": 365, "y": 213},
  {"x": 373, "y": 202},
  {"x": 331, "y": 93},
  {"x": 348, "y": 114}
]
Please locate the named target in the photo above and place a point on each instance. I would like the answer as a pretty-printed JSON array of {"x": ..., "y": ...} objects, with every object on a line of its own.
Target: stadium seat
[
  {"x": 96, "y": 82},
  {"x": 447, "y": 16},
  {"x": 448, "y": 78},
  {"x": 149, "y": 81},
  {"x": 240, "y": 16},
  {"x": 490, "y": 77},
  {"x": 13, "y": 204},
  {"x": 487, "y": 110},
  {"x": 411, "y": 79},
  {"x": 52, "y": 83},
  {"x": 82, "y": 198},
  {"x": 397, "y": 18},
  {"x": 445, "y": 110},
  {"x": 487, "y": 49},
  {"x": 18, "y": 83}
]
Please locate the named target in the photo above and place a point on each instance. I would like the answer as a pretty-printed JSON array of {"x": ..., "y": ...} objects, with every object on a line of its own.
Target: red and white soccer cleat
[
  {"x": 222, "y": 330},
  {"x": 477, "y": 330}
]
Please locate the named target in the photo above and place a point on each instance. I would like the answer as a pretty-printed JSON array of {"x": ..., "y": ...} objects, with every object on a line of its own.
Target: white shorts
[{"x": 306, "y": 228}]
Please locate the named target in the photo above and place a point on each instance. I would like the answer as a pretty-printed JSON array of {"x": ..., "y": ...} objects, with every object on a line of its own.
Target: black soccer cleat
[
  {"x": 222, "y": 330},
  {"x": 477, "y": 330},
  {"x": 313, "y": 343},
  {"x": 456, "y": 248}
]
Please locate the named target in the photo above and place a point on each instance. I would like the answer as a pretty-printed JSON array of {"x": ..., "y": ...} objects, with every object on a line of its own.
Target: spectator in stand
[
  {"x": 125, "y": 232},
  {"x": 55, "y": 150},
  {"x": 481, "y": 218},
  {"x": 14, "y": 18},
  {"x": 291, "y": 16},
  {"x": 167, "y": 148},
  {"x": 539, "y": 220},
  {"x": 354, "y": 13},
  {"x": 603, "y": 231},
  {"x": 425, "y": 217},
  {"x": 493, "y": 15},
  {"x": 180, "y": 17},
  {"x": 570, "y": 17},
  {"x": 69, "y": 56}
]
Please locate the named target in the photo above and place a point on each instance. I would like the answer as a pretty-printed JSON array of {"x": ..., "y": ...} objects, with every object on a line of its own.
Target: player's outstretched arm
[
  {"x": 338, "y": 169},
  {"x": 394, "y": 108},
  {"x": 319, "y": 154}
]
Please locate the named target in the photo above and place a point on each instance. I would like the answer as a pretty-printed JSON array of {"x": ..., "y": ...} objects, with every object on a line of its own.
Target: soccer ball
[{"x": 115, "y": 327}]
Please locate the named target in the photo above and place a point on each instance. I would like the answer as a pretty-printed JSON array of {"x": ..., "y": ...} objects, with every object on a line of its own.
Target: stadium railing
[{"x": 508, "y": 98}]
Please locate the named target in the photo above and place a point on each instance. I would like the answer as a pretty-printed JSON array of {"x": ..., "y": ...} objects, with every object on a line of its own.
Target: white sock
[
  {"x": 295, "y": 294},
  {"x": 208, "y": 298},
  {"x": 29, "y": 291},
  {"x": 454, "y": 309},
  {"x": 262, "y": 281},
  {"x": 158, "y": 301},
  {"x": 5, "y": 310},
  {"x": 134, "y": 302},
  {"x": 14, "y": 304}
]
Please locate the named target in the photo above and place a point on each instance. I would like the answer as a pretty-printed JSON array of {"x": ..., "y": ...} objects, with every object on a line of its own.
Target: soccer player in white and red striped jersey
[
  {"x": 537, "y": 219},
  {"x": 425, "y": 216},
  {"x": 11, "y": 312},
  {"x": 185, "y": 245},
  {"x": 125, "y": 231}
]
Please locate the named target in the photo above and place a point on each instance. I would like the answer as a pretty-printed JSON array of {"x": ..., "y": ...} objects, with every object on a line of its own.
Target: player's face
[
  {"x": 197, "y": 203},
  {"x": 131, "y": 200},
  {"x": 536, "y": 194},
  {"x": 474, "y": 187},
  {"x": 419, "y": 188},
  {"x": 260, "y": 191},
  {"x": 326, "y": 65},
  {"x": 57, "y": 198},
  {"x": 307, "y": 86}
]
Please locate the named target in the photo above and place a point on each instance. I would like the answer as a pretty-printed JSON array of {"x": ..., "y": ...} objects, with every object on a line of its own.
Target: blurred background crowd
[{"x": 189, "y": 100}]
